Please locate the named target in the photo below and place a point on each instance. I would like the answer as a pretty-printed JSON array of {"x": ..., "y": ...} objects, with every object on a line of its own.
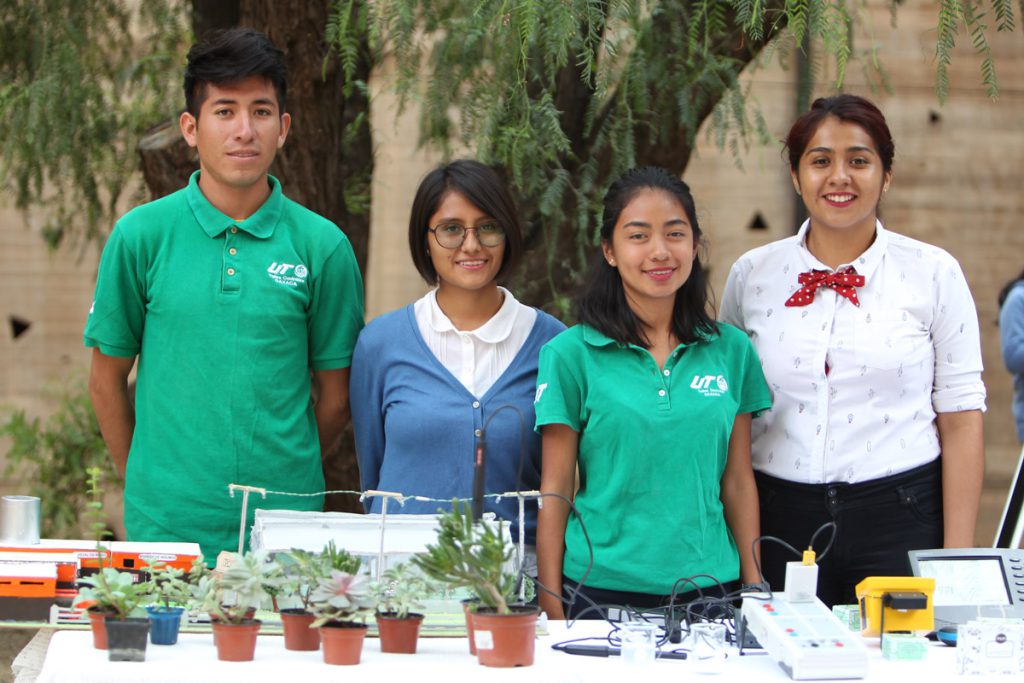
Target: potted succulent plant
[
  {"x": 118, "y": 597},
  {"x": 247, "y": 582},
  {"x": 172, "y": 592},
  {"x": 474, "y": 555},
  {"x": 336, "y": 600},
  {"x": 401, "y": 590},
  {"x": 301, "y": 570},
  {"x": 113, "y": 599}
]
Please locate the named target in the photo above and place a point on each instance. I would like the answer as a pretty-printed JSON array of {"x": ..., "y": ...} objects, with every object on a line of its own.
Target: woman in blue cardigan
[{"x": 430, "y": 378}]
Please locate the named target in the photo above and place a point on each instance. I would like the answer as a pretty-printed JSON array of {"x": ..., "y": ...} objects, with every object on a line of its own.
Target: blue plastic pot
[{"x": 163, "y": 624}]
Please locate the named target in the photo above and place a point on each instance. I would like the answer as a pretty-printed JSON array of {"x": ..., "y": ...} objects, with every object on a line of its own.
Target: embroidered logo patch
[
  {"x": 288, "y": 274},
  {"x": 710, "y": 385},
  {"x": 540, "y": 392}
]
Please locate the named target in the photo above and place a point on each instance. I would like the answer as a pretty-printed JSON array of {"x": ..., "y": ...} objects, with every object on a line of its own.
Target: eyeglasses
[{"x": 452, "y": 235}]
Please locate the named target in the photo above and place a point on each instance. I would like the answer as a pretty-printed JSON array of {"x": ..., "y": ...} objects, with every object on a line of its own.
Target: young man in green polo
[{"x": 230, "y": 296}]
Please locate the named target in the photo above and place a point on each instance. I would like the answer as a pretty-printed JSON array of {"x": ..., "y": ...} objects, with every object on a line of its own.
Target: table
[{"x": 72, "y": 659}]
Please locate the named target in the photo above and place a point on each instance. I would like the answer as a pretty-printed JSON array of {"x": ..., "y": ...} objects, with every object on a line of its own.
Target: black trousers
[
  {"x": 582, "y": 609},
  {"x": 877, "y": 522}
]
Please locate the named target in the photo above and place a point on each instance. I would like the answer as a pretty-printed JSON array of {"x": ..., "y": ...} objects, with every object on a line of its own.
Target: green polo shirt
[
  {"x": 653, "y": 444},
  {"x": 227, "y": 319}
]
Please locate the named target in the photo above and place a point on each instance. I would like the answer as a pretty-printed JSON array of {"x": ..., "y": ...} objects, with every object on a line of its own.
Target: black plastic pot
[{"x": 126, "y": 639}]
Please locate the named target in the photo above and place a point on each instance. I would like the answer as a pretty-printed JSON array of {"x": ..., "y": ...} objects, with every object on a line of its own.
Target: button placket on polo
[
  {"x": 664, "y": 380},
  {"x": 231, "y": 278}
]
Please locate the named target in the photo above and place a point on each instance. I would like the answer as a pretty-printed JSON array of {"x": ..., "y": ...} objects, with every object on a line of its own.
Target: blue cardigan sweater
[
  {"x": 415, "y": 423},
  {"x": 1011, "y": 331}
]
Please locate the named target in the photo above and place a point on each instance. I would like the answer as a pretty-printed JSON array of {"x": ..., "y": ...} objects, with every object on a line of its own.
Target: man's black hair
[{"x": 229, "y": 56}]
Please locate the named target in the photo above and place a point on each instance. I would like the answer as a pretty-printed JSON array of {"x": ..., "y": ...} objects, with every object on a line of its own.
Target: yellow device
[{"x": 896, "y": 603}]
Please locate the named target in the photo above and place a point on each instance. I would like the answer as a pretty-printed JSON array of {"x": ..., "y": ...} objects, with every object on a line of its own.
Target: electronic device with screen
[{"x": 973, "y": 582}]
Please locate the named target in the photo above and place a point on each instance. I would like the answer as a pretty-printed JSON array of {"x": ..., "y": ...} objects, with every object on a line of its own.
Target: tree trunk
[{"x": 558, "y": 256}]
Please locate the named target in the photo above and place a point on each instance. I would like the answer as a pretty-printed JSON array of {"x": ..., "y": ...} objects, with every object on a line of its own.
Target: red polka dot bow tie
[{"x": 844, "y": 281}]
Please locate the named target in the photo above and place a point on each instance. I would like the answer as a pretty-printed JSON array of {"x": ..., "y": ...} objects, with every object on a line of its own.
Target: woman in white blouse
[{"x": 869, "y": 341}]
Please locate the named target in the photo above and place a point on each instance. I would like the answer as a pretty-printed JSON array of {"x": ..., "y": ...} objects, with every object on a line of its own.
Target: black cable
[
  {"x": 831, "y": 540},
  {"x": 574, "y": 592},
  {"x": 798, "y": 553}
]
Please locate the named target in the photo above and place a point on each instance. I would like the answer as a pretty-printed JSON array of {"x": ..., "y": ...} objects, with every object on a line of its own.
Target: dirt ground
[{"x": 11, "y": 642}]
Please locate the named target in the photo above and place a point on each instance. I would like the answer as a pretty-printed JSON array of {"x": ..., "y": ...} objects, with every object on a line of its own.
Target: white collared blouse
[
  {"x": 856, "y": 389},
  {"x": 477, "y": 358}
]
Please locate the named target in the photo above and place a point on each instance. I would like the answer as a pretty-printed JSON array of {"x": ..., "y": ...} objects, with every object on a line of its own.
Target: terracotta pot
[
  {"x": 127, "y": 639},
  {"x": 399, "y": 635},
  {"x": 236, "y": 642},
  {"x": 504, "y": 640},
  {"x": 215, "y": 618},
  {"x": 342, "y": 641},
  {"x": 99, "y": 628},
  {"x": 297, "y": 633},
  {"x": 466, "y": 605}
]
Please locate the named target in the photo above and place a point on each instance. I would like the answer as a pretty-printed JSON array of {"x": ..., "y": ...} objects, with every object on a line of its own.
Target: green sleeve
[
  {"x": 118, "y": 314},
  {"x": 559, "y": 397},
  {"x": 336, "y": 312}
]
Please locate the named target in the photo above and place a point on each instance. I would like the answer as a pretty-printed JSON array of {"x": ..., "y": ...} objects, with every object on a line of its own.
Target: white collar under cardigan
[{"x": 476, "y": 357}]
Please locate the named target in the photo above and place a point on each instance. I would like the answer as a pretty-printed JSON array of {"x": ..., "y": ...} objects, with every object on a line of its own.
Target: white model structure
[{"x": 379, "y": 541}]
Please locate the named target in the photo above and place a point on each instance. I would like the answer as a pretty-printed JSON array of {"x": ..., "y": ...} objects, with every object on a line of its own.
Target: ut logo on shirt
[
  {"x": 288, "y": 273},
  {"x": 710, "y": 385}
]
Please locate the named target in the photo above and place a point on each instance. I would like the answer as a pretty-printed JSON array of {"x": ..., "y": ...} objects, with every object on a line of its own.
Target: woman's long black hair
[
  {"x": 602, "y": 303},
  {"x": 1005, "y": 291}
]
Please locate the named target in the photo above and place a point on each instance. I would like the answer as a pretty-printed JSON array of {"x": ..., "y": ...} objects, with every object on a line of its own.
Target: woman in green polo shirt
[{"x": 652, "y": 401}]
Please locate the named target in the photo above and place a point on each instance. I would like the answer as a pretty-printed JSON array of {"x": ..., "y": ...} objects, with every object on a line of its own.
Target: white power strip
[{"x": 805, "y": 638}]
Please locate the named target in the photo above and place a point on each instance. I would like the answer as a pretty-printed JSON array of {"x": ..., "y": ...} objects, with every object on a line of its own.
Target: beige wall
[
  {"x": 53, "y": 292},
  {"x": 956, "y": 184}
]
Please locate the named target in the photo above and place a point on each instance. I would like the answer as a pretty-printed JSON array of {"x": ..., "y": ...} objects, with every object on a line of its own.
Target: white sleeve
[
  {"x": 957, "y": 340},
  {"x": 731, "y": 310}
]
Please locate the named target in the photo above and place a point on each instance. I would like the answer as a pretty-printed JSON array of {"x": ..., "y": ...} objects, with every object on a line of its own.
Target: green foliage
[
  {"x": 109, "y": 590},
  {"x": 54, "y": 457},
  {"x": 302, "y": 570},
  {"x": 403, "y": 590},
  {"x": 80, "y": 81},
  {"x": 94, "y": 509},
  {"x": 470, "y": 555},
  {"x": 567, "y": 94},
  {"x": 969, "y": 16},
  {"x": 115, "y": 592},
  {"x": 173, "y": 587},
  {"x": 340, "y": 559}
]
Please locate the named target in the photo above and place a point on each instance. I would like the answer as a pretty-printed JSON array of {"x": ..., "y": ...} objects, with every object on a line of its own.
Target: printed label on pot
[{"x": 484, "y": 640}]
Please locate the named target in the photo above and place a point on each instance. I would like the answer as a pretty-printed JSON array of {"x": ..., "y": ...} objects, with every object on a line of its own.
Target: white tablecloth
[{"x": 71, "y": 658}]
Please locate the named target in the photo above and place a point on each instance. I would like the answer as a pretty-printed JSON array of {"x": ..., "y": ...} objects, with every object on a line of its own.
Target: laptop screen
[{"x": 966, "y": 580}]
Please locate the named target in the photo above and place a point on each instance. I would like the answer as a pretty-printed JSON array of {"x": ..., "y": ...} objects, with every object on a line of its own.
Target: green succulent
[
  {"x": 115, "y": 592},
  {"x": 402, "y": 590},
  {"x": 471, "y": 555},
  {"x": 251, "y": 578}
]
